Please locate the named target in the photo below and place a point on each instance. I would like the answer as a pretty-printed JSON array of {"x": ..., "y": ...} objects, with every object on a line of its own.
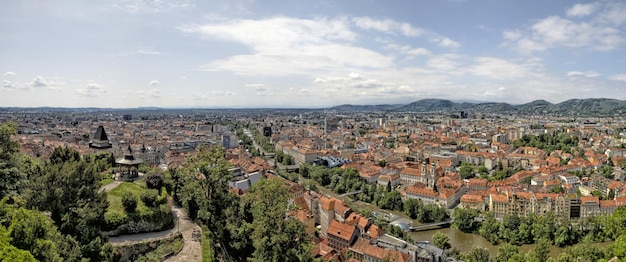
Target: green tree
[
  {"x": 441, "y": 240},
  {"x": 466, "y": 171},
  {"x": 464, "y": 220},
  {"x": 505, "y": 252},
  {"x": 204, "y": 192},
  {"x": 68, "y": 188},
  {"x": 12, "y": 179},
  {"x": 412, "y": 207},
  {"x": 489, "y": 228},
  {"x": 9, "y": 252},
  {"x": 275, "y": 237},
  {"x": 542, "y": 249},
  {"x": 478, "y": 254}
]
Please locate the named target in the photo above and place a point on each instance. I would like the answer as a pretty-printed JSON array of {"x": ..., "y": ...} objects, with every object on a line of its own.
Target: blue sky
[{"x": 303, "y": 53}]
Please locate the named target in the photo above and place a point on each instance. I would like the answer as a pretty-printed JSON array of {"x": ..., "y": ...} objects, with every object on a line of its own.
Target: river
[
  {"x": 459, "y": 240},
  {"x": 464, "y": 241}
]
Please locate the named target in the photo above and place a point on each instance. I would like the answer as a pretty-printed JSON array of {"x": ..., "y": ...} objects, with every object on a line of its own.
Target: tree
[
  {"x": 67, "y": 186},
  {"x": 464, "y": 220},
  {"x": 489, "y": 228},
  {"x": 542, "y": 249},
  {"x": 478, "y": 254},
  {"x": 412, "y": 207},
  {"x": 441, "y": 240},
  {"x": 275, "y": 237},
  {"x": 204, "y": 191},
  {"x": 154, "y": 181},
  {"x": 466, "y": 171},
  {"x": 505, "y": 252},
  {"x": 9, "y": 252},
  {"x": 12, "y": 179}
]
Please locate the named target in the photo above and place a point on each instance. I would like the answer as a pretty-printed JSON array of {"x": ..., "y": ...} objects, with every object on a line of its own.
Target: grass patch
[
  {"x": 115, "y": 197},
  {"x": 162, "y": 250},
  {"x": 208, "y": 254},
  {"x": 106, "y": 181}
]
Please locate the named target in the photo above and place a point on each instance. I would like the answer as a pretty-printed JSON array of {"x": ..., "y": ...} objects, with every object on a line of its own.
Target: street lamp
[{"x": 178, "y": 221}]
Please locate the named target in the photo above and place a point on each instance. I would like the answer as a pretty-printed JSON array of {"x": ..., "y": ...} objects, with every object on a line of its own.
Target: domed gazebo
[{"x": 129, "y": 164}]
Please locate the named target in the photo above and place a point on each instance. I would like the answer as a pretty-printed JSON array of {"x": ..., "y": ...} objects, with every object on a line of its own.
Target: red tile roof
[{"x": 341, "y": 230}]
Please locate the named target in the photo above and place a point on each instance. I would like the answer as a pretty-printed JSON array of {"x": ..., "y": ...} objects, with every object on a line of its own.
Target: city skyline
[{"x": 259, "y": 54}]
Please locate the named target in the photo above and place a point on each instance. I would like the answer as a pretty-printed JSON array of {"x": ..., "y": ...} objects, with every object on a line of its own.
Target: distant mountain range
[{"x": 574, "y": 107}]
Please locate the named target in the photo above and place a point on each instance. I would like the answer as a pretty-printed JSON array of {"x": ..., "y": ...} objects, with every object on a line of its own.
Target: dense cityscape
[
  {"x": 346, "y": 131},
  {"x": 359, "y": 185}
]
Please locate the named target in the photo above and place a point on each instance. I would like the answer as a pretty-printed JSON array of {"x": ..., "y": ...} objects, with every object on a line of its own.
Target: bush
[
  {"x": 129, "y": 201},
  {"x": 154, "y": 181},
  {"x": 114, "y": 220},
  {"x": 150, "y": 197},
  {"x": 163, "y": 196}
]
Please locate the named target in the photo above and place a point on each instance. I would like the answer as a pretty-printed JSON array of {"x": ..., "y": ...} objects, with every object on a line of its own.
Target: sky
[{"x": 308, "y": 54}]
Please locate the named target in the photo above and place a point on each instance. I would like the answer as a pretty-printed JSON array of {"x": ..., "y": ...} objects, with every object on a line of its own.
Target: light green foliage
[
  {"x": 505, "y": 252},
  {"x": 466, "y": 171},
  {"x": 478, "y": 254},
  {"x": 441, "y": 240},
  {"x": 549, "y": 142}
]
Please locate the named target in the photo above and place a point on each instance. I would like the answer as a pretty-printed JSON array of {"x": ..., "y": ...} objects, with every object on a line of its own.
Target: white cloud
[
  {"x": 8, "y": 84},
  {"x": 224, "y": 93},
  {"x": 152, "y": 6},
  {"x": 447, "y": 42},
  {"x": 38, "y": 82},
  {"x": 621, "y": 77},
  {"x": 596, "y": 30},
  {"x": 501, "y": 89},
  {"x": 289, "y": 46},
  {"x": 497, "y": 68},
  {"x": 581, "y": 10},
  {"x": 353, "y": 80},
  {"x": 353, "y": 75},
  {"x": 154, "y": 94},
  {"x": 9, "y": 74},
  {"x": 393, "y": 27},
  {"x": 387, "y": 25},
  {"x": 443, "y": 63},
  {"x": 92, "y": 89},
  {"x": 154, "y": 83},
  {"x": 257, "y": 87},
  {"x": 408, "y": 50},
  {"x": 585, "y": 74}
]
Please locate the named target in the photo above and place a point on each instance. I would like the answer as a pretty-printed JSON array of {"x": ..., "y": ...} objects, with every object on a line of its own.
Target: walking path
[{"x": 192, "y": 237}]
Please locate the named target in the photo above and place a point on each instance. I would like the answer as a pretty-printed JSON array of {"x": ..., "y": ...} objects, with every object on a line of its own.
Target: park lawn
[
  {"x": 115, "y": 198},
  {"x": 106, "y": 181}
]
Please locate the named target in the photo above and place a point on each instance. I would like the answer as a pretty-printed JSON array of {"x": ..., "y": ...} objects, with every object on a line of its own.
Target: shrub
[
  {"x": 114, "y": 220},
  {"x": 154, "y": 181},
  {"x": 163, "y": 196},
  {"x": 129, "y": 201},
  {"x": 150, "y": 197}
]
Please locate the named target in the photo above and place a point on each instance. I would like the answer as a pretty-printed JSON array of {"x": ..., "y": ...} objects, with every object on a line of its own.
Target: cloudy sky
[{"x": 303, "y": 53}]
